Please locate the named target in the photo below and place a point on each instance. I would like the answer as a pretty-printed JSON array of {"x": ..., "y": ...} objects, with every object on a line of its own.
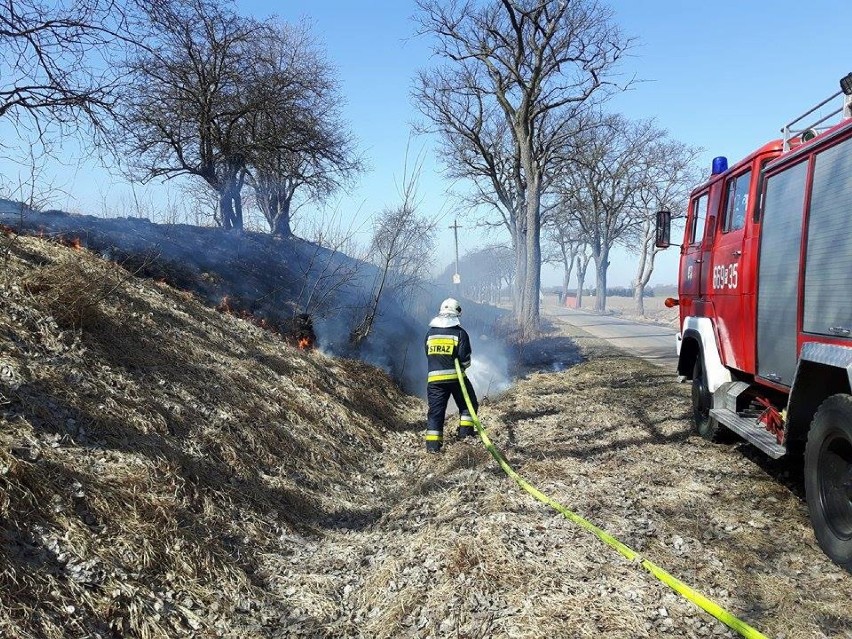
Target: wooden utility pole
[{"x": 456, "y": 277}]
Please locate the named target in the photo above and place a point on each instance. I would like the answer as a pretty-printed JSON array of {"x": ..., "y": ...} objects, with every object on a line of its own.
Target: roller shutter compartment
[
  {"x": 828, "y": 264},
  {"x": 778, "y": 275}
]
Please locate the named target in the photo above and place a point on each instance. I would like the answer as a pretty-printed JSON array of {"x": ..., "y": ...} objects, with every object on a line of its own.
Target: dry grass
[
  {"x": 151, "y": 450},
  {"x": 166, "y": 471},
  {"x": 461, "y": 551}
]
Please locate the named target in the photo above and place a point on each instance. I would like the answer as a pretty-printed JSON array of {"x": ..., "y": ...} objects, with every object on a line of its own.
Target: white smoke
[{"x": 489, "y": 373}]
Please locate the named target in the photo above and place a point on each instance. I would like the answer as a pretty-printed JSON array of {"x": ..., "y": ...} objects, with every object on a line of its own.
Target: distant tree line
[{"x": 485, "y": 274}]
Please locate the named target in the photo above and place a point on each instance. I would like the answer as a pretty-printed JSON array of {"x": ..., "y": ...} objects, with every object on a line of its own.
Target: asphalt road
[{"x": 653, "y": 342}]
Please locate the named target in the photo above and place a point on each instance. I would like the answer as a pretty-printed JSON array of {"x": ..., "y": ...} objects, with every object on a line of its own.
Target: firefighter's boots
[{"x": 465, "y": 425}]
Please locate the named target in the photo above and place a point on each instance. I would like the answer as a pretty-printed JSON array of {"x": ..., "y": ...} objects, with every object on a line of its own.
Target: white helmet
[{"x": 450, "y": 308}]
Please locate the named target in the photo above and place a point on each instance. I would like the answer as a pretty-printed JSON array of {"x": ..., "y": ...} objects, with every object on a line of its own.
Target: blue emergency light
[{"x": 720, "y": 165}]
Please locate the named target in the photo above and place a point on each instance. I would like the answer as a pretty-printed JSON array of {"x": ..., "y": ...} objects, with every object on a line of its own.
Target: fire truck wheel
[
  {"x": 702, "y": 401},
  {"x": 828, "y": 478}
]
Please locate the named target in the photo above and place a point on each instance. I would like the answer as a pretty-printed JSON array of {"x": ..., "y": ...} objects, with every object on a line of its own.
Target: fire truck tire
[
  {"x": 828, "y": 478},
  {"x": 702, "y": 401}
]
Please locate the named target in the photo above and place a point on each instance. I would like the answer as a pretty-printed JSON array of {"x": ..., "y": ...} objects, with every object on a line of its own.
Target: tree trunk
[
  {"x": 532, "y": 287},
  {"x": 645, "y": 268},
  {"x": 280, "y": 226},
  {"x": 639, "y": 299},
  {"x": 582, "y": 265},
  {"x": 567, "y": 266},
  {"x": 601, "y": 265},
  {"x": 518, "y": 298},
  {"x": 226, "y": 210},
  {"x": 275, "y": 207},
  {"x": 237, "y": 197},
  {"x": 231, "y": 205}
]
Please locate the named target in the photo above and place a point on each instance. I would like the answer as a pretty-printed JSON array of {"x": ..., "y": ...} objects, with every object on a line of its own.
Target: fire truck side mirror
[{"x": 664, "y": 229}]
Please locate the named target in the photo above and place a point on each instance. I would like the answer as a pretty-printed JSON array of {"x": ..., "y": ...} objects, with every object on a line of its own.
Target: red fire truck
[{"x": 765, "y": 297}]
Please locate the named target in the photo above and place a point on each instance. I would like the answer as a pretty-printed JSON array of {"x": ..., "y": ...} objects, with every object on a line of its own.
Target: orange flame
[
  {"x": 305, "y": 343},
  {"x": 72, "y": 242}
]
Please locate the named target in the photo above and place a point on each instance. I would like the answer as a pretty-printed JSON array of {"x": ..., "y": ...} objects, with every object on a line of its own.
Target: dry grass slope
[
  {"x": 152, "y": 450},
  {"x": 168, "y": 471}
]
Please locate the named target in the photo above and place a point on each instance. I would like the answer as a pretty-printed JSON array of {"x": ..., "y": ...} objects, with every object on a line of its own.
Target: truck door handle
[
  {"x": 698, "y": 261},
  {"x": 737, "y": 253}
]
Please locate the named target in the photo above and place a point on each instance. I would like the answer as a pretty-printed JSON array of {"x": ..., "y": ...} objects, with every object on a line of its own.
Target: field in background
[{"x": 655, "y": 310}]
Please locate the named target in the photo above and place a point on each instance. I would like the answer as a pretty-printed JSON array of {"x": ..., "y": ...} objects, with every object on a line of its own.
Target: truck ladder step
[{"x": 751, "y": 430}]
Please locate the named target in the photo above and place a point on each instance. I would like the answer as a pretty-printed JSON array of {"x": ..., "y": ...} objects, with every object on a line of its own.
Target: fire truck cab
[{"x": 765, "y": 297}]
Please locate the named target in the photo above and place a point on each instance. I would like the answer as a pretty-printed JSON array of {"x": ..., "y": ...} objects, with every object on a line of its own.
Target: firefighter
[{"x": 447, "y": 341}]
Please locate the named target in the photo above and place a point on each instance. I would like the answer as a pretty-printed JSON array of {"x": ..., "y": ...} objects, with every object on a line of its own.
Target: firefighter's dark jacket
[{"x": 446, "y": 341}]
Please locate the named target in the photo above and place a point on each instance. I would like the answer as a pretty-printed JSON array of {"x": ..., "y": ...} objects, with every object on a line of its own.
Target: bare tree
[
  {"x": 188, "y": 99},
  {"x": 564, "y": 237},
  {"x": 402, "y": 241},
  {"x": 58, "y": 60},
  {"x": 601, "y": 184},
  {"x": 336, "y": 263},
  {"x": 584, "y": 256},
  {"x": 670, "y": 173},
  {"x": 515, "y": 73},
  {"x": 299, "y": 142}
]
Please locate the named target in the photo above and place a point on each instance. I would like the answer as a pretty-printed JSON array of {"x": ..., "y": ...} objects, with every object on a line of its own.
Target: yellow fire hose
[{"x": 672, "y": 582}]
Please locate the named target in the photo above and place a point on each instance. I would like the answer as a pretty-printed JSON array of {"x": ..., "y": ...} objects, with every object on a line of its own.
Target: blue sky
[{"x": 724, "y": 76}]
